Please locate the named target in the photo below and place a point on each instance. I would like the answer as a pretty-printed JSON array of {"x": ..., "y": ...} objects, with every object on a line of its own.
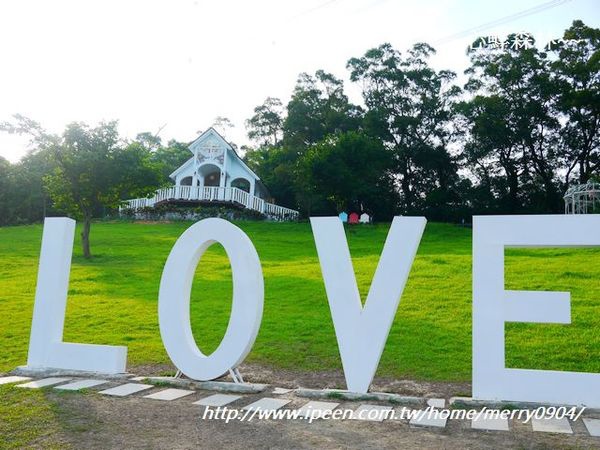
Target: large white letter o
[{"x": 174, "y": 299}]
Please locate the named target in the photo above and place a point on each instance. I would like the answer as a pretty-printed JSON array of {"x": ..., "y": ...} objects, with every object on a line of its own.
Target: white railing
[{"x": 213, "y": 193}]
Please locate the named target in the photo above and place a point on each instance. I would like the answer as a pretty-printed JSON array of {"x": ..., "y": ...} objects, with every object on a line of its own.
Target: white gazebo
[
  {"x": 215, "y": 174},
  {"x": 582, "y": 199}
]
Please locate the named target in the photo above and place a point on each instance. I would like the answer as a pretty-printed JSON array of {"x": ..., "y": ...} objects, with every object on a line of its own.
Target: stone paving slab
[
  {"x": 126, "y": 389},
  {"x": 280, "y": 391},
  {"x": 372, "y": 413},
  {"x": 13, "y": 379},
  {"x": 43, "y": 383},
  {"x": 80, "y": 384},
  {"x": 169, "y": 394},
  {"x": 316, "y": 409},
  {"x": 593, "y": 426},
  {"x": 312, "y": 408},
  {"x": 222, "y": 386},
  {"x": 490, "y": 423},
  {"x": 427, "y": 420},
  {"x": 44, "y": 372},
  {"x": 267, "y": 404},
  {"x": 436, "y": 402},
  {"x": 359, "y": 396},
  {"x": 552, "y": 425},
  {"x": 218, "y": 400}
]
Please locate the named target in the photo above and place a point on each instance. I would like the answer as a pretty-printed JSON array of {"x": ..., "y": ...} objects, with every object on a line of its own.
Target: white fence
[{"x": 217, "y": 194}]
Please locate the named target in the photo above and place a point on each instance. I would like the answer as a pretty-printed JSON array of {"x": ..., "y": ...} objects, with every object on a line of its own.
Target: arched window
[
  {"x": 241, "y": 183},
  {"x": 211, "y": 174}
]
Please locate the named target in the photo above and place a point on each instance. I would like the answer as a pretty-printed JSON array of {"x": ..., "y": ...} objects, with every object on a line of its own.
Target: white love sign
[
  {"x": 174, "y": 299},
  {"x": 46, "y": 347},
  {"x": 493, "y": 306},
  {"x": 361, "y": 331}
]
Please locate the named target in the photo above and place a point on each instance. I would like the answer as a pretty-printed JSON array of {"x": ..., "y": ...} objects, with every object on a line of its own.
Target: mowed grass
[
  {"x": 113, "y": 299},
  {"x": 30, "y": 420}
]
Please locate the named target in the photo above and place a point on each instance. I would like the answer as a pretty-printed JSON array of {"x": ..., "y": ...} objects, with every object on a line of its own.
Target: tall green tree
[
  {"x": 87, "y": 170},
  {"x": 95, "y": 171},
  {"x": 276, "y": 168},
  {"x": 318, "y": 107},
  {"x": 577, "y": 70},
  {"x": 497, "y": 163},
  {"x": 352, "y": 171},
  {"x": 222, "y": 124},
  {"x": 410, "y": 109},
  {"x": 27, "y": 201},
  {"x": 32, "y": 200},
  {"x": 152, "y": 142},
  {"x": 168, "y": 157},
  {"x": 5, "y": 191},
  {"x": 265, "y": 127},
  {"x": 514, "y": 126}
]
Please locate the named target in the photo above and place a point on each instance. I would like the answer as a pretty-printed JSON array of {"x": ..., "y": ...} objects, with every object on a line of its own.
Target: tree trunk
[
  {"x": 513, "y": 191},
  {"x": 85, "y": 236}
]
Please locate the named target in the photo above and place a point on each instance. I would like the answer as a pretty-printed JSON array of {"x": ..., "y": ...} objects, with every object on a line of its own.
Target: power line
[
  {"x": 502, "y": 20},
  {"x": 313, "y": 9}
]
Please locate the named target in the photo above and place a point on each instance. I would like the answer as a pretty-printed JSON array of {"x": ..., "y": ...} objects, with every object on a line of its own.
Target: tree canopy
[
  {"x": 90, "y": 170},
  {"x": 511, "y": 140},
  {"x": 522, "y": 129}
]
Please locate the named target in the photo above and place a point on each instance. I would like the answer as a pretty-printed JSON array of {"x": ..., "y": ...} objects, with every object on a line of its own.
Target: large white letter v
[{"x": 362, "y": 331}]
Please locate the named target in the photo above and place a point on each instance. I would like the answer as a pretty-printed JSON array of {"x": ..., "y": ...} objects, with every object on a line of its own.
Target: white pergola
[{"x": 583, "y": 199}]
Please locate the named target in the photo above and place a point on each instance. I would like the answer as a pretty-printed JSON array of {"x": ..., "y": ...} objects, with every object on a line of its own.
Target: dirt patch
[
  {"x": 255, "y": 373},
  {"x": 92, "y": 421}
]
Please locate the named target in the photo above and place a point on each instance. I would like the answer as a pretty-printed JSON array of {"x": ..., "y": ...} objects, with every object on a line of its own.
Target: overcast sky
[{"x": 181, "y": 63}]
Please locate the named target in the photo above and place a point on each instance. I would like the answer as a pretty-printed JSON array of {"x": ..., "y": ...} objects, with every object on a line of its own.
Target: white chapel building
[
  {"x": 216, "y": 174},
  {"x": 216, "y": 163}
]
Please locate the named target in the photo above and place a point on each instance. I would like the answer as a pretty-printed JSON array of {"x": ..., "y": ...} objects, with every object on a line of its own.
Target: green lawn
[
  {"x": 113, "y": 299},
  {"x": 30, "y": 419}
]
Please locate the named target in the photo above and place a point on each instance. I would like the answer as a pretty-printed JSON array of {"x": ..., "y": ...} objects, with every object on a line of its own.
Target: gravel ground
[
  {"x": 99, "y": 422},
  {"x": 96, "y": 422}
]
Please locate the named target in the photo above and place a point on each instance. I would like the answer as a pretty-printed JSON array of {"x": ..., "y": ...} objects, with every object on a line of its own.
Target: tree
[
  {"x": 318, "y": 108},
  {"x": 410, "y": 109},
  {"x": 490, "y": 153},
  {"x": 32, "y": 202},
  {"x": 266, "y": 125},
  {"x": 275, "y": 167},
  {"x": 222, "y": 124},
  {"x": 169, "y": 157},
  {"x": 352, "y": 171},
  {"x": 22, "y": 195},
  {"x": 151, "y": 142},
  {"x": 26, "y": 199},
  {"x": 5, "y": 191},
  {"x": 92, "y": 170},
  {"x": 577, "y": 70},
  {"x": 513, "y": 126}
]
